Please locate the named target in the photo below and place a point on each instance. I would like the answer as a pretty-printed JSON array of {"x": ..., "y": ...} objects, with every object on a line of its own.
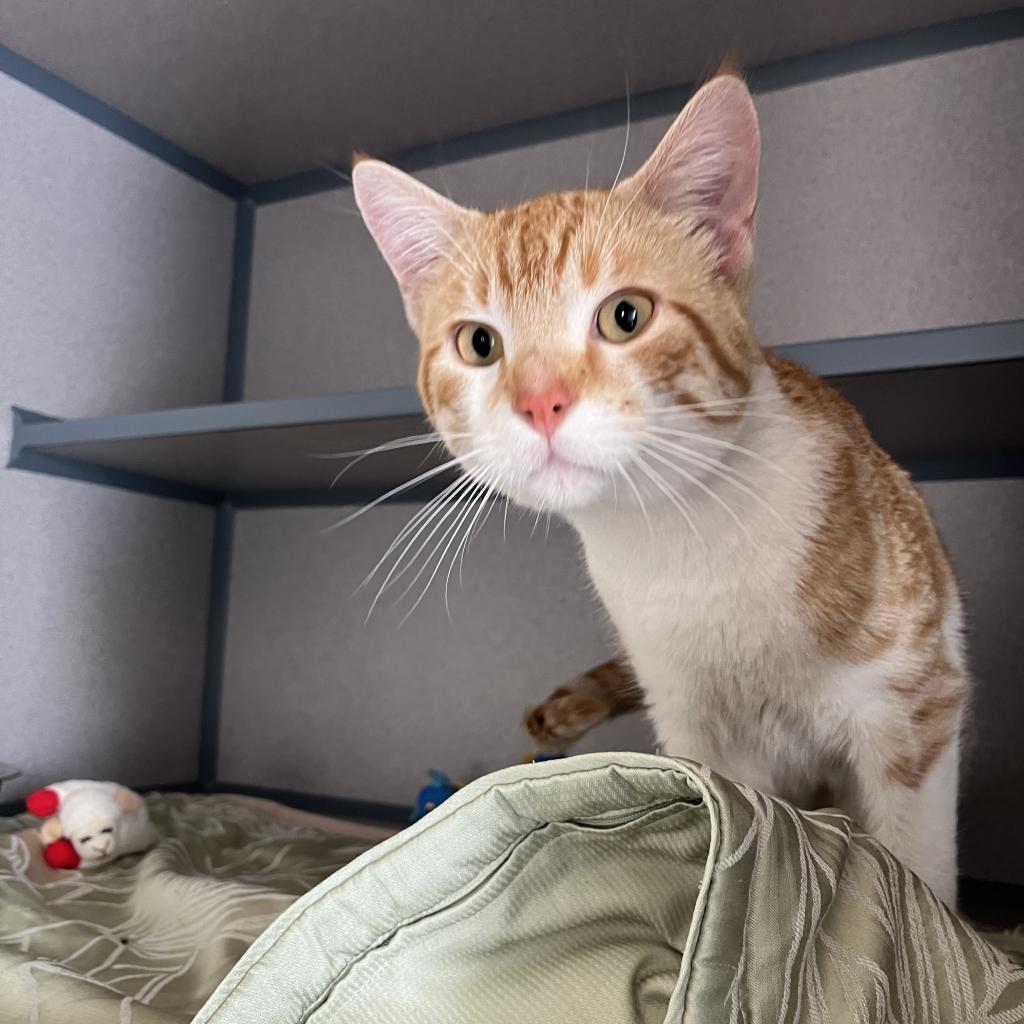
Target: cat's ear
[
  {"x": 706, "y": 166},
  {"x": 414, "y": 227}
]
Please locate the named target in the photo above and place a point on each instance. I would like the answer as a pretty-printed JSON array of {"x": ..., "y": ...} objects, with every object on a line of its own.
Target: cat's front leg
[
  {"x": 907, "y": 798},
  {"x": 607, "y": 691}
]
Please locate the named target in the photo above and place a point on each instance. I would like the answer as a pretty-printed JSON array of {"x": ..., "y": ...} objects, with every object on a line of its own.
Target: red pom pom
[
  {"x": 61, "y": 854},
  {"x": 43, "y": 802}
]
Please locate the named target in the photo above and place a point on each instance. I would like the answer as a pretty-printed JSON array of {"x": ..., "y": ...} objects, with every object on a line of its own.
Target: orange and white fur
[{"x": 786, "y": 609}]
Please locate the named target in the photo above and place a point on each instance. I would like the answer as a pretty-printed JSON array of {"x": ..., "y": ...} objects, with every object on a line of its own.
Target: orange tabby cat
[{"x": 787, "y": 611}]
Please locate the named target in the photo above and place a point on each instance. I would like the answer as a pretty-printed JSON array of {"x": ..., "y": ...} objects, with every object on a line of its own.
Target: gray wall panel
[
  {"x": 980, "y": 522},
  {"x": 317, "y": 700},
  {"x": 890, "y": 201},
  {"x": 114, "y": 275}
]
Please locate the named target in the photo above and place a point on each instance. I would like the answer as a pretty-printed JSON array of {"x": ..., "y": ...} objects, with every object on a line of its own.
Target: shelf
[
  {"x": 250, "y": 450},
  {"x": 945, "y": 403}
]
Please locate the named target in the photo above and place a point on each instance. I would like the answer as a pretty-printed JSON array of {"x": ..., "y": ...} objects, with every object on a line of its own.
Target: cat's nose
[{"x": 545, "y": 410}]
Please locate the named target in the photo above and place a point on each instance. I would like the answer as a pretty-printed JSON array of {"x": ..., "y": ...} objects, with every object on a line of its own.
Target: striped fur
[{"x": 787, "y": 610}]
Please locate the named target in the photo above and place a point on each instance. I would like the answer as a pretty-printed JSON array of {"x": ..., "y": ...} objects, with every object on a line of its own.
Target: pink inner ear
[
  {"x": 707, "y": 165},
  {"x": 128, "y": 800},
  {"x": 413, "y": 226}
]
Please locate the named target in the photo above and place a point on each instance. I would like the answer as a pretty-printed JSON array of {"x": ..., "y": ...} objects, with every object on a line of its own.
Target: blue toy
[
  {"x": 441, "y": 787},
  {"x": 439, "y": 790}
]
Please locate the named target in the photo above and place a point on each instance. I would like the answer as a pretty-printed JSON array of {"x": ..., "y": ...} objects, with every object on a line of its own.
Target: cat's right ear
[
  {"x": 415, "y": 229},
  {"x": 706, "y": 166}
]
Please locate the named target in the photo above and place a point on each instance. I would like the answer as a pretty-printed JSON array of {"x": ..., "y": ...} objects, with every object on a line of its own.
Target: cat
[{"x": 787, "y": 611}]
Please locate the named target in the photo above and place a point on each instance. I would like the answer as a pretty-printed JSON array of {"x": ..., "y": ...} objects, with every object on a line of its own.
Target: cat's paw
[{"x": 562, "y": 719}]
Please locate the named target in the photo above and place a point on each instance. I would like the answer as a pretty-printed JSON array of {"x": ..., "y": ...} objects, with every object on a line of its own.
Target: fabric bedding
[
  {"x": 146, "y": 939},
  {"x": 606, "y": 888},
  {"x": 621, "y": 889}
]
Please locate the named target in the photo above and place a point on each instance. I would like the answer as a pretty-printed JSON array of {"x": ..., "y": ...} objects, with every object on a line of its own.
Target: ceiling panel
[{"x": 266, "y": 88}]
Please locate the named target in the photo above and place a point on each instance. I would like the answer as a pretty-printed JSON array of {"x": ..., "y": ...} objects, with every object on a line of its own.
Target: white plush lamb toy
[{"x": 90, "y": 823}]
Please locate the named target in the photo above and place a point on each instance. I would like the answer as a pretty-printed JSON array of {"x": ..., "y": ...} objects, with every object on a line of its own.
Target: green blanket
[
  {"x": 602, "y": 889},
  {"x": 146, "y": 939},
  {"x": 620, "y": 888}
]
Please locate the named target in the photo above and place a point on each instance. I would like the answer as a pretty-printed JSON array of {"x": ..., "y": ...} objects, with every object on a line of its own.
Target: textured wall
[
  {"x": 316, "y": 699},
  {"x": 114, "y": 276},
  {"x": 890, "y": 201},
  {"x": 980, "y": 521}
]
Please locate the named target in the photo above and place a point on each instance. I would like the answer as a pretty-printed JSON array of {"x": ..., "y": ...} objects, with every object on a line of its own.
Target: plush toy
[
  {"x": 439, "y": 790},
  {"x": 442, "y": 788},
  {"x": 90, "y": 823}
]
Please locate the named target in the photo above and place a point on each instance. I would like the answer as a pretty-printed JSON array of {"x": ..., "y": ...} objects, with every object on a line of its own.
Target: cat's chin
[{"x": 562, "y": 487}]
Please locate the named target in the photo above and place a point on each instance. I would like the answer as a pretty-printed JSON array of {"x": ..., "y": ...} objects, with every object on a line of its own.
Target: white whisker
[
  {"x": 470, "y": 505},
  {"x": 709, "y": 491},
  {"x": 720, "y": 469},
  {"x": 672, "y": 496},
  {"x": 447, "y": 527},
  {"x": 640, "y": 501},
  {"x": 389, "y": 446},
  {"x": 422, "y": 478},
  {"x": 416, "y": 525},
  {"x": 730, "y": 445},
  {"x": 460, "y": 548},
  {"x": 622, "y": 162}
]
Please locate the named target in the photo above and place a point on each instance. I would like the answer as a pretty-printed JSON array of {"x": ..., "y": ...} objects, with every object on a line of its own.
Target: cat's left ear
[
  {"x": 415, "y": 229},
  {"x": 706, "y": 167}
]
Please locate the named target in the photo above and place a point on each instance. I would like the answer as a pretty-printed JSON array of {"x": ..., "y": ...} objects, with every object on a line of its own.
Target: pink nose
[{"x": 545, "y": 410}]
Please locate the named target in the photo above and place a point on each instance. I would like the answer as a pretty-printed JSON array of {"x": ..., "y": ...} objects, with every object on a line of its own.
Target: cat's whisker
[
  {"x": 418, "y": 523},
  {"x": 431, "y": 454},
  {"x": 460, "y": 549},
  {"x": 414, "y": 520},
  {"x": 702, "y": 415},
  {"x": 383, "y": 447},
  {"x": 536, "y": 521},
  {"x": 450, "y": 535},
  {"x": 446, "y": 525},
  {"x": 425, "y": 247},
  {"x": 622, "y": 161},
  {"x": 719, "y": 442},
  {"x": 709, "y": 491},
  {"x": 504, "y": 521},
  {"x": 439, "y": 167},
  {"x": 401, "y": 488},
  {"x": 722, "y": 470},
  {"x": 442, "y": 522},
  {"x": 640, "y": 501},
  {"x": 586, "y": 188},
  {"x": 676, "y": 499},
  {"x": 391, "y": 446},
  {"x": 622, "y": 213},
  {"x": 337, "y": 172},
  {"x": 713, "y": 402},
  {"x": 473, "y": 262},
  {"x": 439, "y": 515}
]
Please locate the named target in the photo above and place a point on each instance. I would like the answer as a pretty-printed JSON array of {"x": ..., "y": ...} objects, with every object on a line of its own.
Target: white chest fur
[{"x": 710, "y": 616}]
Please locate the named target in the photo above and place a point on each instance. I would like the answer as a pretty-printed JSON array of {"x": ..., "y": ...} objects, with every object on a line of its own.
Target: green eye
[
  {"x": 623, "y": 317},
  {"x": 478, "y": 345}
]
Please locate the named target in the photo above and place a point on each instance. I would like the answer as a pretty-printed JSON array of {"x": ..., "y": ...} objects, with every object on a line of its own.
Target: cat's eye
[
  {"x": 623, "y": 317},
  {"x": 105, "y": 831},
  {"x": 478, "y": 345},
  {"x": 84, "y": 839}
]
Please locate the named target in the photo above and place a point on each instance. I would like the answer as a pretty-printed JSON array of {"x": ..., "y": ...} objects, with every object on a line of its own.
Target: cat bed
[
  {"x": 145, "y": 939},
  {"x": 613, "y": 888}
]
